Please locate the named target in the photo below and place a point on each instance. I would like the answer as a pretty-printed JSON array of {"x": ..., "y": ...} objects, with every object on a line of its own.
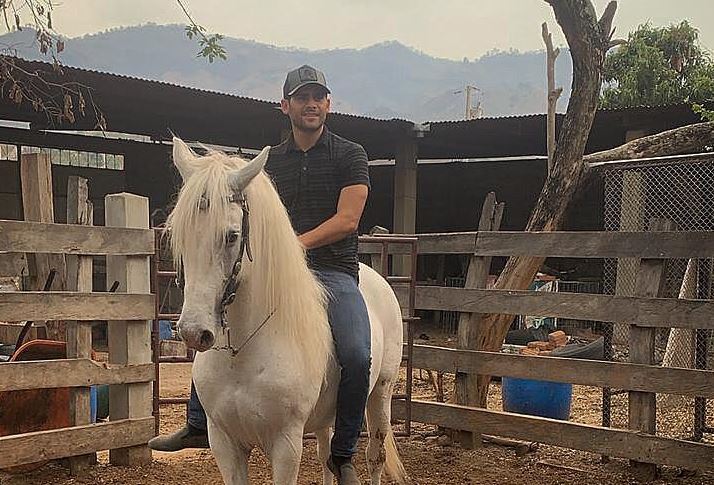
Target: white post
[{"x": 129, "y": 341}]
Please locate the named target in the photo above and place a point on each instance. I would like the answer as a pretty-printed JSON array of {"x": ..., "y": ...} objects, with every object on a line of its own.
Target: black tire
[{"x": 594, "y": 350}]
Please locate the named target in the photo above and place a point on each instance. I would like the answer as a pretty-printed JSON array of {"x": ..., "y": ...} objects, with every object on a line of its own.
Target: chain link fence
[{"x": 679, "y": 189}]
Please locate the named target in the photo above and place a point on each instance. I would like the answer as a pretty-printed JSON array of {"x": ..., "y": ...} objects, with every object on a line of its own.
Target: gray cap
[{"x": 302, "y": 76}]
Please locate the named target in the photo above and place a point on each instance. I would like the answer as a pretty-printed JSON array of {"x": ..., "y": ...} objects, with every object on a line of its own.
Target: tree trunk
[
  {"x": 685, "y": 139},
  {"x": 588, "y": 39}
]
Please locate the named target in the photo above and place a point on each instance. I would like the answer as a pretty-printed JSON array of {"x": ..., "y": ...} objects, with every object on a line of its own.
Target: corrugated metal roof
[{"x": 154, "y": 108}]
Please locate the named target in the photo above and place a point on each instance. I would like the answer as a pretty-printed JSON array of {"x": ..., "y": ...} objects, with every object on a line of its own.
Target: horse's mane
[{"x": 278, "y": 278}]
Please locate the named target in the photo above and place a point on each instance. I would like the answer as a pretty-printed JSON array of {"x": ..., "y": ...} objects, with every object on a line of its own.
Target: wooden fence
[
  {"x": 127, "y": 244},
  {"x": 644, "y": 312}
]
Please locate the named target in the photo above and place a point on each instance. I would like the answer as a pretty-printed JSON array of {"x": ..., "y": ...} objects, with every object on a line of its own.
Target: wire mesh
[{"x": 680, "y": 191}]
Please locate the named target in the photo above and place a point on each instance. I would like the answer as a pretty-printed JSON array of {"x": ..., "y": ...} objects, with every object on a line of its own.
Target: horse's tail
[{"x": 393, "y": 464}]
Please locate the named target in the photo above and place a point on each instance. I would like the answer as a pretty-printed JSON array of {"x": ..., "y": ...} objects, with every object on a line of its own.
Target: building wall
[
  {"x": 450, "y": 196},
  {"x": 101, "y": 183}
]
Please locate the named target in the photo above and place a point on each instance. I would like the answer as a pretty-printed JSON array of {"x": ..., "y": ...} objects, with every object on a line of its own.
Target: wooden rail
[
  {"x": 606, "y": 441},
  {"x": 37, "y": 306},
  {"x": 36, "y": 237},
  {"x": 130, "y": 372},
  {"x": 641, "y": 313},
  {"x": 652, "y": 312},
  {"x": 42, "y": 374},
  {"x": 78, "y": 440},
  {"x": 618, "y": 375},
  {"x": 581, "y": 244}
]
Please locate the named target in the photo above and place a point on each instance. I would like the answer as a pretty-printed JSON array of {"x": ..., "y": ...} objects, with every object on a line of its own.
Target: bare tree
[
  {"x": 589, "y": 38},
  {"x": 49, "y": 92}
]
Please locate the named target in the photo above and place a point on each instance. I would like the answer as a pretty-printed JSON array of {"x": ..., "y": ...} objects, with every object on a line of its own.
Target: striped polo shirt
[{"x": 309, "y": 184}]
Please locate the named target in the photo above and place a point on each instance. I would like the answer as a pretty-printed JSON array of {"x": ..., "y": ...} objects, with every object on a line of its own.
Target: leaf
[
  {"x": 18, "y": 94},
  {"x": 82, "y": 103},
  {"x": 68, "y": 113},
  {"x": 40, "y": 9}
]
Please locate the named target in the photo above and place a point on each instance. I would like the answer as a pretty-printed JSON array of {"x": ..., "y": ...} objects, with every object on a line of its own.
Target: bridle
[{"x": 232, "y": 282}]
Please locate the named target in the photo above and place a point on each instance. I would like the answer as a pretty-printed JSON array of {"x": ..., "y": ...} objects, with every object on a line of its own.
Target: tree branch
[
  {"x": 686, "y": 139},
  {"x": 606, "y": 19}
]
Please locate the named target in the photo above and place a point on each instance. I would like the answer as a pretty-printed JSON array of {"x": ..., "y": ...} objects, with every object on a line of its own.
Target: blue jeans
[{"x": 349, "y": 322}]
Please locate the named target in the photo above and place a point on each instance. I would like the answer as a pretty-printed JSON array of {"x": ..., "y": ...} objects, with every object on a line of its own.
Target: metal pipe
[{"x": 155, "y": 333}]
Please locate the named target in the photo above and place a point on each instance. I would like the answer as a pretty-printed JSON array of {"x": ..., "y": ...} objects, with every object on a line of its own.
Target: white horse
[{"x": 266, "y": 372}]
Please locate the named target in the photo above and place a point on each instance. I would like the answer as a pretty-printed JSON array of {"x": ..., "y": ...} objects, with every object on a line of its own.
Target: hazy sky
[{"x": 447, "y": 28}]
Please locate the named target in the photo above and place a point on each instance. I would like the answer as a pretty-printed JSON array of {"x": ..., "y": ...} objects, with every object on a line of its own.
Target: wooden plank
[
  {"x": 35, "y": 237},
  {"x": 643, "y": 405},
  {"x": 468, "y": 329},
  {"x": 618, "y": 375},
  {"x": 37, "y": 305},
  {"x": 129, "y": 341},
  {"x": 664, "y": 245},
  {"x": 580, "y": 244},
  {"x": 13, "y": 264},
  {"x": 42, "y": 374},
  {"x": 653, "y": 312},
  {"x": 605, "y": 441},
  {"x": 79, "y": 334},
  {"x": 9, "y": 332},
  {"x": 432, "y": 243},
  {"x": 61, "y": 443},
  {"x": 38, "y": 206}
]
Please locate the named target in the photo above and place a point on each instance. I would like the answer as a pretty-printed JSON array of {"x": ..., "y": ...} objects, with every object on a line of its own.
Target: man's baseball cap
[{"x": 302, "y": 76}]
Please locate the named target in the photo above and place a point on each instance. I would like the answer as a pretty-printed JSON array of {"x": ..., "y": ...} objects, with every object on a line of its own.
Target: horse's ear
[
  {"x": 183, "y": 157},
  {"x": 241, "y": 178}
]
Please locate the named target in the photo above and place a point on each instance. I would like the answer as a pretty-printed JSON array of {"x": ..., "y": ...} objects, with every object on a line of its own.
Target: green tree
[{"x": 658, "y": 65}]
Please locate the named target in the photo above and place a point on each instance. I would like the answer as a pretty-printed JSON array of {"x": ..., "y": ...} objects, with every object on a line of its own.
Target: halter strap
[{"x": 232, "y": 283}]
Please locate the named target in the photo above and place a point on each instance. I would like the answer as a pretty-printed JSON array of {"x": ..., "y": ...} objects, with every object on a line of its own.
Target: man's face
[{"x": 307, "y": 108}]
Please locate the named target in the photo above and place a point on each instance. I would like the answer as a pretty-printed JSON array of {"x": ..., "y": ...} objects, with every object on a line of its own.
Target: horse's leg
[
  {"x": 379, "y": 412},
  {"x": 285, "y": 453},
  {"x": 232, "y": 459},
  {"x": 323, "y": 454}
]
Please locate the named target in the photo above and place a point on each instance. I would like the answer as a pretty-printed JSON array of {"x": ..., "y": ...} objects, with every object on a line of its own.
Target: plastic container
[
  {"x": 102, "y": 401},
  {"x": 537, "y": 398},
  {"x": 93, "y": 403}
]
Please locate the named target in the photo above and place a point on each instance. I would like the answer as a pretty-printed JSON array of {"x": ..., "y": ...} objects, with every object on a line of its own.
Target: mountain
[{"x": 386, "y": 80}]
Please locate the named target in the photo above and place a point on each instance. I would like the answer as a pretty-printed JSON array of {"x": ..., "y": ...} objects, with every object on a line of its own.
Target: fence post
[
  {"x": 476, "y": 277},
  {"x": 79, "y": 334},
  {"x": 38, "y": 206},
  {"x": 643, "y": 405},
  {"x": 129, "y": 341}
]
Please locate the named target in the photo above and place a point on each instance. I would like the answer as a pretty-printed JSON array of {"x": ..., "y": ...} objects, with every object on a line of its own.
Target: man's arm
[{"x": 349, "y": 211}]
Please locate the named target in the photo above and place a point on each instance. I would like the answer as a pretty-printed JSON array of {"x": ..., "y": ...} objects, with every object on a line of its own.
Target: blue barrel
[
  {"x": 165, "y": 332},
  {"x": 93, "y": 403},
  {"x": 537, "y": 398}
]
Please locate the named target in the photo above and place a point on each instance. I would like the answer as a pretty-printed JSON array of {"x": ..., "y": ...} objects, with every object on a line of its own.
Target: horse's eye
[{"x": 232, "y": 237}]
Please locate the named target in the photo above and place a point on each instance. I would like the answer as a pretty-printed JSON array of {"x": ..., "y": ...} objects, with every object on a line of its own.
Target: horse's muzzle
[{"x": 197, "y": 338}]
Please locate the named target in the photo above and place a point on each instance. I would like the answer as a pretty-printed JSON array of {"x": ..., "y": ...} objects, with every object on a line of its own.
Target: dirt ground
[{"x": 428, "y": 458}]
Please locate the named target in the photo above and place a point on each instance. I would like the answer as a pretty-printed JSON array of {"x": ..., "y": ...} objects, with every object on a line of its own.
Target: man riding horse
[{"x": 323, "y": 181}]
